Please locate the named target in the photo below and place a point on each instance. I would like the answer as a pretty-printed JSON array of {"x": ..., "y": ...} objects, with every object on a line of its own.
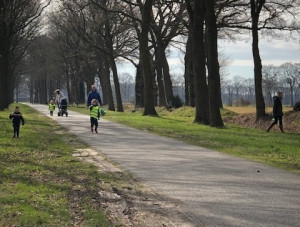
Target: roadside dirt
[
  {"x": 127, "y": 201},
  {"x": 291, "y": 121}
]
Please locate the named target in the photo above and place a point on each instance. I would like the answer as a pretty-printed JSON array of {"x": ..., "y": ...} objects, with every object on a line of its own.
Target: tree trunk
[
  {"x": 6, "y": 79},
  {"x": 159, "y": 72},
  {"x": 260, "y": 103},
  {"x": 213, "y": 66},
  {"x": 116, "y": 83},
  {"x": 68, "y": 86},
  {"x": 113, "y": 67},
  {"x": 139, "y": 86},
  {"x": 107, "y": 84},
  {"x": 167, "y": 79},
  {"x": 31, "y": 91},
  {"x": 81, "y": 92},
  {"x": 44, "y": 96},
  {"x": 3, "y": 85},
  {"x": 259, "y": 98},
  {"x": 198, "y": 50},
  {"x": 292, "y": 95},
  {"x": 187, "y": 60},
  {"x": 189, "y": 74},
  {"x": 36, "y": 92},
  {"x": 146, "y": 62}
]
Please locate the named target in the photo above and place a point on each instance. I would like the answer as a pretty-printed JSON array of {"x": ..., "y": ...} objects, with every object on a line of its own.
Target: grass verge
[
  {"x": 41, "y": 183},
  {"x": 274, "y": 148}
]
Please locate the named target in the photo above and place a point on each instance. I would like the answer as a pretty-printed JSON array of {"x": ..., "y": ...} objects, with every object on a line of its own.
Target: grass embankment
[
  {"x": 274, "y": 148},
  {"x": 252, "y": 109},
  {"x": 41, "y": 183}
]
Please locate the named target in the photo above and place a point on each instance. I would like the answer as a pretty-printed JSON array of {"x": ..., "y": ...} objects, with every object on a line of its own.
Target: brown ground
[
  {"x": 291, "y": 121},
  {"x": 128, "y": 202}
]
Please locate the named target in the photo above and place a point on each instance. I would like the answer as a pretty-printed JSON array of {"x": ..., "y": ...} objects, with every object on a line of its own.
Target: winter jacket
[
  {"x": 277, "y": 108},
  {"x": 60, "y": 96},
  {"x": 94, "y": 111},
  {"x": 17, "y": 118},
  {"x": 93, "y": 95}
]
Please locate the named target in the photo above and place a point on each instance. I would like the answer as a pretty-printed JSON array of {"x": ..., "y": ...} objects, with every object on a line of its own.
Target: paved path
[{"x": 214, "y": 189}]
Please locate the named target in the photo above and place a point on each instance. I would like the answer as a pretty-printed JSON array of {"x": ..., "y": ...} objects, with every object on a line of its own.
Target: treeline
[
  {"x": 240, "y": 91},
  {"x": 86, "y": 38}
]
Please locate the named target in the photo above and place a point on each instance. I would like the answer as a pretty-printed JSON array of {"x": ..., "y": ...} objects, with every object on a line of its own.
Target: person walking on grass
[
  {"x": 95, "y": 115},
  {"x": 277, "y": 111},
  {"x": 93, "y": 94},
  {"x": 17, "y": 118}
]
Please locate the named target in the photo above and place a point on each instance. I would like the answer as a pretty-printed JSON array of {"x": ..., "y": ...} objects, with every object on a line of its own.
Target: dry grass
[{"x": 251, "y": 109}]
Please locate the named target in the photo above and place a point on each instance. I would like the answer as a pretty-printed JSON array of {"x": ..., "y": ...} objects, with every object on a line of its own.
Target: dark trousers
[
  {"x": 94, "y": 122},
  {"x": 276, "y": 120},
  {"x": 16, "y": 130}
]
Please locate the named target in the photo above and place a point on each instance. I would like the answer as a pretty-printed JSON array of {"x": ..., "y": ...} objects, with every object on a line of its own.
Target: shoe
[
  {"x": 96, "y": 130},
  {"x": 281, "y": 128},
  {"x": 92, "y": 130}
]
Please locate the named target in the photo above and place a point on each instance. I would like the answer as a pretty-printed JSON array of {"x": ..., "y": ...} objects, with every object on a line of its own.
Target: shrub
[
  {"x": 177, "y": 102},
  {"x": 244, "y": 102},
  {"x": 296, "y": 107}
]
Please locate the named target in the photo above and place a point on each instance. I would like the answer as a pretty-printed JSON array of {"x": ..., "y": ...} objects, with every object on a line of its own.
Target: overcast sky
[{"x": 275, "y": 52}]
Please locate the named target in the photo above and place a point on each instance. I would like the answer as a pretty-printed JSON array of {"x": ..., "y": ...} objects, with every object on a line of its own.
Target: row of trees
[
  {"x": 286, "y": 77},
  {"x": 86, "y": 38},
  {"x": 19, "y": 24}
]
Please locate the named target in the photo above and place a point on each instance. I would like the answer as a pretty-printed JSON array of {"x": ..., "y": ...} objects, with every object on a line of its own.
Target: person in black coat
[
  {"x": 17, "y": 118},
  {"x": 277, "y": 111}
]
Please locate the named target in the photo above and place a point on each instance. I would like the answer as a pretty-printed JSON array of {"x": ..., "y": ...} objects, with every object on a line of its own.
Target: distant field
[{"x": 251, "y": 109}]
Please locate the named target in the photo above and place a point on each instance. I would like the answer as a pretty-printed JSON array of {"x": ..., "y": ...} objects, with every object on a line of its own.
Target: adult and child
[{"x": 93, "y": 101}]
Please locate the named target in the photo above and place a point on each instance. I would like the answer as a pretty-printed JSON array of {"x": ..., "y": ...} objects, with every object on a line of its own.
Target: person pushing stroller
[{"x": 62, "y": 103}]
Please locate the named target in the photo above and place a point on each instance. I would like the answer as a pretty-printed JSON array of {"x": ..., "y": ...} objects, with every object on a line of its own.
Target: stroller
[{"x": 62, "y": 106}]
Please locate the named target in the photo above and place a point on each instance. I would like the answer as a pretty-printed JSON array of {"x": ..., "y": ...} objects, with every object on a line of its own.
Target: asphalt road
[{"x": 212, "y": 188}]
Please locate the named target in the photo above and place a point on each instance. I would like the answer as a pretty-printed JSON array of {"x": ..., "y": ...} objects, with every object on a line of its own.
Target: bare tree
[
  {"x": 214, "y": 86},
  {"x": 19, "y": 22},
  {"x": 270, "y": 81},
  {"x": 167, "y": 24},
  {"x": 197, "y": 49},
  {"x": 146, "y": 62},
  {"x": 290, "y": 74}
]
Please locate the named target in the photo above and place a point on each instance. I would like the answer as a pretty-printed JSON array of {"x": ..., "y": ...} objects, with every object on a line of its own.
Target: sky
[{"x": 272, "y": 51}]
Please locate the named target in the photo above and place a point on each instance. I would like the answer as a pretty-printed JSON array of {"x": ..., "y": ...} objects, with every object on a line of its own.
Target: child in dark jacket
[
  {"x": 95, "y": 115},
  {"x": 17, "y": 118}
]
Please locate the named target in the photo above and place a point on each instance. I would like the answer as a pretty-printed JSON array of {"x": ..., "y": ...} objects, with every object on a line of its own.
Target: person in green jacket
[
  {"x": 51, "y": 107},
  {"x": 95, "y": 115}
]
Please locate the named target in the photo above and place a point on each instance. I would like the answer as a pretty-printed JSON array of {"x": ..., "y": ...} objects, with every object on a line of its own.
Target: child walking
[
  {"x": 95, "y": 115},
  {"x": 17, "y": 118},
  {"x": 51, "y": 107}
]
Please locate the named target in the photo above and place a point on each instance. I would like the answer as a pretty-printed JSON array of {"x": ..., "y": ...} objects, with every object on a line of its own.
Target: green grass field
[
  {"x": 274, "y": 148},
  {"x": 41, "y": 183}
]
